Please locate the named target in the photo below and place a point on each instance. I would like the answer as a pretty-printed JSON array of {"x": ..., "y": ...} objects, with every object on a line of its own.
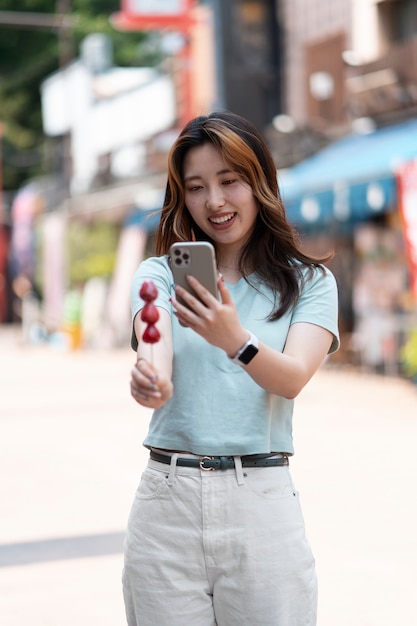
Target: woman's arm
[
  {"x": 281, "y": 373},
  {"x": 150, "y": 382},
  {"x": 285, "y": 374}
]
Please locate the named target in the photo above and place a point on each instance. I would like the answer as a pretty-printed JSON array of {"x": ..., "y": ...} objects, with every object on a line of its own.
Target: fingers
[
  {"x": 146, "y": 369},
  {"x": 138, "y": 395},
  {"x": 224, "y": 292},
  {"x": 200, "y": 303},
  {"x": 144, "y": 383},
  {"x": 192, "y": 309},
  {"x": 190, "y": 312},
  {"x": 204, "y": 312},
  {"x": 205, "y": 296}
]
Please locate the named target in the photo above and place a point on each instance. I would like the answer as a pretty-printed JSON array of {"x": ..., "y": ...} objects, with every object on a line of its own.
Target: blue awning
[{"x": 350, "y": 180}]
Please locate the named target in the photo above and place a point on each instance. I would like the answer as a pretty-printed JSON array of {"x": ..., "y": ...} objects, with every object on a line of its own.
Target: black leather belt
[{"x": 223, "y": 462}]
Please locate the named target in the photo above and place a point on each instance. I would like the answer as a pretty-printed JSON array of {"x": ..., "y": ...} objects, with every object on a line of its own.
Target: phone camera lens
[
  {"x": 177, "y": 252},
  {"x": 177, "y": 261}
]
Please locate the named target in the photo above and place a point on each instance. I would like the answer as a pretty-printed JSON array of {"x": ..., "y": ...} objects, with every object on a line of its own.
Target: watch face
[{"x": 248, "y": 354}]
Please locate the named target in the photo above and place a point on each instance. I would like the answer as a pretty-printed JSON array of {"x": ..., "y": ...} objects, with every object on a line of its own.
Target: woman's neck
[
  {"x": 229, "y": 268},
  {"x": 230, "y": 274},
  {"x": 228, "y": 264}
]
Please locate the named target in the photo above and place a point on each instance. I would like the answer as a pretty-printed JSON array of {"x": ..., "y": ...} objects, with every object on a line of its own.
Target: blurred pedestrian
[
  {"x": 28, "y": 205},
  {"x": 216, "y": 534}
]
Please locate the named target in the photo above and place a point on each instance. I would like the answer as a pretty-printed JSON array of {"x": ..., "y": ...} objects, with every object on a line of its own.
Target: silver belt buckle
[{"x": 206, "y": 458}]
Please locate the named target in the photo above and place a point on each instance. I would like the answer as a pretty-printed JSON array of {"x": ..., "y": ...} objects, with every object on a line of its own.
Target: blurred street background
[
  {"x": 92, "y": 95},
  {"x": 71, "y": 456}
]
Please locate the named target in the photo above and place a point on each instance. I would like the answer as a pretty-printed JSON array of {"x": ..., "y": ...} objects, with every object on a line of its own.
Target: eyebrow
[{"x": 198, "y": 177}]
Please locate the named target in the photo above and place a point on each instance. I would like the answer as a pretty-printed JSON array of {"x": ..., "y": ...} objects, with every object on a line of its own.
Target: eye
[
  {"x": 229, "y": 181},
  {"x": 194, "y": 188}
]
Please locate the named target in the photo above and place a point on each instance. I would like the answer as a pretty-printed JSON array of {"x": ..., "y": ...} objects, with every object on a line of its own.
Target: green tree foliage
[
  {"x": 408, "y": 355},
  {"x": 28, "y": 56},
  {"x": 91, "y": 250}
]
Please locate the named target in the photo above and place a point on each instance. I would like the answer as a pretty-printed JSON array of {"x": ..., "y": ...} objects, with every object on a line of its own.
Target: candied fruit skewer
[{"x": 149, "y": 314}]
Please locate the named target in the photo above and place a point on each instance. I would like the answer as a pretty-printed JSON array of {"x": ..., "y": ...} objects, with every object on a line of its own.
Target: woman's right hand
[
  {"x": 151, "y": 377},
  {"x": 217, "y": 322},
  {"x": 149, "y": 387}
]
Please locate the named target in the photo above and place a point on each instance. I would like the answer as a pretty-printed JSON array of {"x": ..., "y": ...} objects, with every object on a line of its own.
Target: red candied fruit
[
  {"x": 148, "y": 291},
  {"x": 151, "y": 334},
  {"x": 149, "y": 313}
]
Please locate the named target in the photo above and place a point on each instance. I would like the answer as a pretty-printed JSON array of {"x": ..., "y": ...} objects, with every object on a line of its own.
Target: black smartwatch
[{"x": 246, "y": 353}]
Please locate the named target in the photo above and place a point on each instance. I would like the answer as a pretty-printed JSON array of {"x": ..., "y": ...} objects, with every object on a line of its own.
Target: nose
[{"x": 215, "y": 198}]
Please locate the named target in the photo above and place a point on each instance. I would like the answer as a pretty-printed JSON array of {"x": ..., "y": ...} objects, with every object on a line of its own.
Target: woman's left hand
[
  {"x": 216, "y": 321},
  {"x": 281, "y": 373}
]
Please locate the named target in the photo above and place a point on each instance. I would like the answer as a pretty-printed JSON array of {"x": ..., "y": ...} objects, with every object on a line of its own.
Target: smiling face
[{"x": 220, "y": 202}]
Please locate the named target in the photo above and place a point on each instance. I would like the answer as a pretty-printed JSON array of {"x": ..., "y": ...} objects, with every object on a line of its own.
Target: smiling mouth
[{"x": 223, "y": 219}]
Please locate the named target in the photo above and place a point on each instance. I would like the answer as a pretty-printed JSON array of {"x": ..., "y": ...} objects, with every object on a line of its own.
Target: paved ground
[{"x": 71, "y": 455}]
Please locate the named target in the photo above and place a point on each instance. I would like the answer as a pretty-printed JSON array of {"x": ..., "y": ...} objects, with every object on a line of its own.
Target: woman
[{"x": 216, "y": 534}]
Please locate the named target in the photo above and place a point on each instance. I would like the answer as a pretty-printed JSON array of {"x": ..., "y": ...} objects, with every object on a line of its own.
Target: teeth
[{"x": 221, "y": 220}]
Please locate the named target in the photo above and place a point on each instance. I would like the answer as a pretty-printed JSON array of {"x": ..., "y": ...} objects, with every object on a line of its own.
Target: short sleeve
[{"x": 318, "y": 304}]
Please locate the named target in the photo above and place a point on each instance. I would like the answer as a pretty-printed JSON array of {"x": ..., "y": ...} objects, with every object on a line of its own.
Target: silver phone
[{"x": 198, "y": 259}]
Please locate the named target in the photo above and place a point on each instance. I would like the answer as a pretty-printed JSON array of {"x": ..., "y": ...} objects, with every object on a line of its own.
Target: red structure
[
  {"x": 407, "y": 196},
  {"x": 154, "y": 15},
  {"x": 172, "y": 15}
]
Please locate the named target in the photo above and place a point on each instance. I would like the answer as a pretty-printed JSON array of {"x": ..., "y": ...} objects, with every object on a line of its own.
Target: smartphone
[{"x": 198, "y": 259}]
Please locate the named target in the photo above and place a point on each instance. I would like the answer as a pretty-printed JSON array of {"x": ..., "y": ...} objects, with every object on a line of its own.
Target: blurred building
[
  {"x": 114, "y": 127},
  {"x": 108, "y": 113},
  {"x": 332, "y": 84},
  {"x": 251, "y": 64},
  {"x": 348, "y": 130}
]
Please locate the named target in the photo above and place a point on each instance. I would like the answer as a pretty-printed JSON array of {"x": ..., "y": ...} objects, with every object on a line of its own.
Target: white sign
[{"x": 156, "y": 7}]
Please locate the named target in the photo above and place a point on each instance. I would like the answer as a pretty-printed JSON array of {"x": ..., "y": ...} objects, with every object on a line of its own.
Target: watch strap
[{"x": 246, "y": 353}]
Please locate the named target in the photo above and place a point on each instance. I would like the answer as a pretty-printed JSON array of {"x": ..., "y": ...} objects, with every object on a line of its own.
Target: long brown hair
[{"x": 273, "y": 252}]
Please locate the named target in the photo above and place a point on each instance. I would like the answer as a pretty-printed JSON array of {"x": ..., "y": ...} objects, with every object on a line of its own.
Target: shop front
[{"x": 348, "y": 198}]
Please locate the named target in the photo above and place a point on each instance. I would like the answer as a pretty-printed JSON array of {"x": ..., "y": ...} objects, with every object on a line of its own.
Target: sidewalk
[{"x": 71, "y": 456}]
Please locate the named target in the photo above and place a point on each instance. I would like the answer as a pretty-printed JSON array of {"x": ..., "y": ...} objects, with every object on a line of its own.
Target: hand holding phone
[{"x": 198, "y": 259}]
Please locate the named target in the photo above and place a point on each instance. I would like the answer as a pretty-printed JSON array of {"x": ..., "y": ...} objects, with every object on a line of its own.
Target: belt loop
[
  {"x": 239, "y": 470},
  {"x": 172, "y": 469}
]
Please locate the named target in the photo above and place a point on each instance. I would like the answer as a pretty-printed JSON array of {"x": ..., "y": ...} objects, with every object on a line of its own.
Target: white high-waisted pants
[{"x": 226, "y": 548}]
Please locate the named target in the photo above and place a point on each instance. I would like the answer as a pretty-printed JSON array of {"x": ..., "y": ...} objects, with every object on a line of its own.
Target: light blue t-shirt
[{"x": 217, "y": 408}]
